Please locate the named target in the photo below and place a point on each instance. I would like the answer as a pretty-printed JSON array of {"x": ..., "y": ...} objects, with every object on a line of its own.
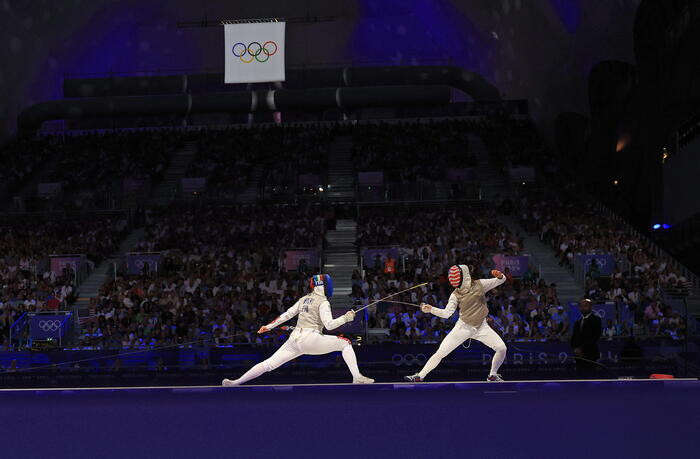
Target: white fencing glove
[{"x": 349, "y": 316}]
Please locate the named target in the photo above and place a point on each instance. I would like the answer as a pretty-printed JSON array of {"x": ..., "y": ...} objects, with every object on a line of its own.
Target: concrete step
[
  {"x": 337, "y": 248},
  {"x": 166, "y": 190},
  {"x": 336, "y": 242},
  {"x": 341, "y": 259},
  {"x": 346, "y": 243},
  {"x": 341, "y": 235},
  {"x": 543, "y": 258}
]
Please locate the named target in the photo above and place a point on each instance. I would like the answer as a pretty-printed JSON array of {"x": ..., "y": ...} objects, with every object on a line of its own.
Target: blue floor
[{"x": 520, "y": 419}]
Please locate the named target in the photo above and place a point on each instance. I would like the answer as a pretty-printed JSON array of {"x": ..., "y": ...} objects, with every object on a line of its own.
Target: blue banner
[
  {"x": 519, "y": 353},
  {"x": 138, "y": 263},
  {"x": 606, "y": 311},
  {"x": 48, "y": 326}
]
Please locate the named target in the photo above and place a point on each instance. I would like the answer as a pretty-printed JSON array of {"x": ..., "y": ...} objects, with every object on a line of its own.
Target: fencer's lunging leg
[
  {"x": 322, "y": 344},
  {"x": 351, "y": 361},
  {"x": 454, "y": 338},
  {"x": 283, "y": 355},
  {"x": 498, "y": 359},
  {"x": 490, "y": 338}
]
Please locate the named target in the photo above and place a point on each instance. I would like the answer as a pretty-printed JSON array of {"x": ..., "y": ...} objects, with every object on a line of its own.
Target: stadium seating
[{"x": 222, "y": 274}]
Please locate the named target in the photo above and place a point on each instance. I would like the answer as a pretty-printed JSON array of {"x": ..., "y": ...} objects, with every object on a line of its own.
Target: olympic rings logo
[
  {"x": 408, "y": 359},
  {"x": 49, "y": 325},
  {"x": 254, "y": 51}
]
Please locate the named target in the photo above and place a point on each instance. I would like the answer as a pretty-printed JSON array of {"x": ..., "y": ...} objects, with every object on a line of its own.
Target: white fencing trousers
[
  {"x": 305, "y": 341},
  {"x": 459, "y": 334}
]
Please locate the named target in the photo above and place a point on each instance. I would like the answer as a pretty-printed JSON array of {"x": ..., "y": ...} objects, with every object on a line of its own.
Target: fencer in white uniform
[
  {"x": 469, "y": 297},
  {"x": 314, "y": 313}
]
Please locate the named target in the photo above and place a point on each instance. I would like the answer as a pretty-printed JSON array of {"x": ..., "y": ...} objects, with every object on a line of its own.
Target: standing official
[{"x": 584, "y": 340}]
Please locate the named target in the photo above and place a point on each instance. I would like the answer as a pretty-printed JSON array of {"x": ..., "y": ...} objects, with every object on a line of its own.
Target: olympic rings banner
[
  {"x": 254, "y": 52},
  {"x": 45, "y": 326}
]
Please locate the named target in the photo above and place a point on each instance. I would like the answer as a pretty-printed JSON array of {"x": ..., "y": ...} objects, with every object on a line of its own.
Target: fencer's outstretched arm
[
  {"x": 442, "y": 313},
  {"x": 327, "y": 317},
  {"x": 492, "y": 283},
  {"x": 285, "y": 316}
]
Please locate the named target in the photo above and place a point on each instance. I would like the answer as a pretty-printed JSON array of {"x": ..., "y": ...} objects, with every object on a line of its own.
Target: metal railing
[{"x": 17, "y": 328}]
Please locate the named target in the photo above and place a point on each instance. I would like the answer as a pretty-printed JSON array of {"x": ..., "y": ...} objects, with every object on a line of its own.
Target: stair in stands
[
  {"x": 492, "y": 181},
  {"x": 90, "y": 288},
  {"x": 167, "y": 190},
  {"x": 252, "y": 191},
  {"x": 341, "y": 260},
  {"x": 542, "y": 257},
  {"x": 341, "y": 173}
]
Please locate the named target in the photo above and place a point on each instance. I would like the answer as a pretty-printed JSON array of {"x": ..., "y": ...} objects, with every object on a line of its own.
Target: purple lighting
[
  {"x": 427, "y": 32},
  {"x": 569, "y": 11}
]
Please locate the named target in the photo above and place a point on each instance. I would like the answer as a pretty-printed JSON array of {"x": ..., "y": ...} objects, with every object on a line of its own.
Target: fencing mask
[
  {"x": 459, "y": 277},
  {"x": 324, "y": 281}
]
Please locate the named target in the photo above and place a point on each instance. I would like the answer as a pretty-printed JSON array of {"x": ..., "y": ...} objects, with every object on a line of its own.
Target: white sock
[
  {"x": 430, "y": 365},
  {"x": 351, "y": 361},
  {"x": 253, "y": 373},
  {"x": 497, "y": 360}
]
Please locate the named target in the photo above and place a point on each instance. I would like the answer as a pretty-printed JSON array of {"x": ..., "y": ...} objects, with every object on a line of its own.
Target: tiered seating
[
  {"x": 410, "y": 151},
  {"x": 228, "y": 158},
  {"x": 221, "y": 276},
  {"x": 430, "y": 241},
  {"x": 573, "y": 226},
  {"x": 27, "y": 281}
]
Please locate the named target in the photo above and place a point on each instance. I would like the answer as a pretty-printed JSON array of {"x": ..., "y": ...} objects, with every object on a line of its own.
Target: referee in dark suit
[{"x": 584, "y": 340}]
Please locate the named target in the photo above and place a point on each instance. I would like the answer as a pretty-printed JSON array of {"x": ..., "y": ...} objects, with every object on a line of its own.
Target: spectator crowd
[
  {"x": 27, "y": 280},
  {"x": 228, "y": 158},
  {"x": 411, "y": 151},
  {"x": 223, "y": 273},
  {"x": 223, "y": 270},
  {"x": 641, "y": 279}
]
